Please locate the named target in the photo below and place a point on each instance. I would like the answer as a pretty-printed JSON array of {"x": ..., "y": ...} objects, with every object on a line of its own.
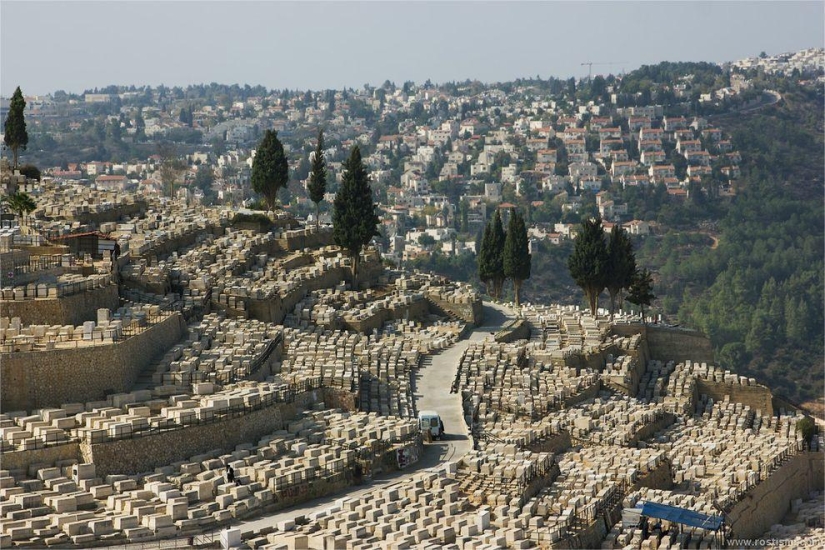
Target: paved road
[
  {"x": 431, "y": 389},
  {"x": 769, "y": 97}
]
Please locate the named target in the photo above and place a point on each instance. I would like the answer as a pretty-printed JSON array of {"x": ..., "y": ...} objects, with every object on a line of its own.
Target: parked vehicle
[{"x": 431, "y": 421}]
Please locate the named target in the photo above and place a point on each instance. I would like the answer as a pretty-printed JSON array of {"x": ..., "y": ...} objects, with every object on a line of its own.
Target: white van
[{"x": 430, "y": 421}]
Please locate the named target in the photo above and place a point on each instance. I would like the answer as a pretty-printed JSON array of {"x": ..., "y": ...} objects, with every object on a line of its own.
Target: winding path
[{"x": 431, "y": 388}]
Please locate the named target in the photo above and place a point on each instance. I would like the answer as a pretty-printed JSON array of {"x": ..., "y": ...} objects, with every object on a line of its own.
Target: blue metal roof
[{"x": 681, "y": 515}]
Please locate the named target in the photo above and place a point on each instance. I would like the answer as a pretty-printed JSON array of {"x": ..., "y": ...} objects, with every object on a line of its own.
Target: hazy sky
[{"x": 74, "y": 45}]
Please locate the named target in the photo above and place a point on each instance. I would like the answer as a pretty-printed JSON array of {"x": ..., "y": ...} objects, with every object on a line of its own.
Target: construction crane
[{"x": 591, "y": 63}]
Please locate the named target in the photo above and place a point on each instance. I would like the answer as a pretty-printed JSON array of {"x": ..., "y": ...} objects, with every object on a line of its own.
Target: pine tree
[
  {"x": 270, "y": 170},
  {"x": 15, "y": 136},
  {"x": 318, "y": 178},
  {"x": 497, "y": 239},
  {"x": 588, "y": 262},
  {"x": 641, "y": 290},
  {"x": 517, "y": 257},
  {"x": 353, "y": 217},
  {"x": 621, "y": 264}
]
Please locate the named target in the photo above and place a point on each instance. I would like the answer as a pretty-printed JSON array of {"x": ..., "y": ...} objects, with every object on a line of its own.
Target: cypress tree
[
  {"x": 485, "y": 274},
  {"x": 517, "y": 257},
  {"x": 588, "y": 262},
  {"x": 318, "y": 178},
  {"x": 353, "y": 217},
  {"x": 621, "y": 263},
  {"x": 497, "y": 238},
  {"x": 270, "y": 169},
  {"x": 641, "y": 290},
  {"x": 15, "y": 136}
]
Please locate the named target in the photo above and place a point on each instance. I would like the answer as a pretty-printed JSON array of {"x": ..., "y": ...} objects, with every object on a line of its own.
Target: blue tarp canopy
[{"x": 681, "y": 515}]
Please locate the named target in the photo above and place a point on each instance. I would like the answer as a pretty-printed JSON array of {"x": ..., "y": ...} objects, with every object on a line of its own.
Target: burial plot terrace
[
  {"x": 499, "y": 379},
  {"x": 611, "y": 420},
  {"x": 217, "y": 351},
  {"x": 728, "y": 448},
  {"x": 428, "y": 510},
  {"x": 803, "y": 526},
  {"x": 591, "y": 484},
  {"x": 69, "y": 503},
  {"x": 110, "y": 327},
  {"x": 378, "y": 366},
  {"x": 81, "y": 204}
]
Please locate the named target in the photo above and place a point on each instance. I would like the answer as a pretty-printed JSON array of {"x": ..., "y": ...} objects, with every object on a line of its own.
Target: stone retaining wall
[
  {"x": 276, "y": 308},
  {"x": 21, "y": 279},
  {"x": 554, "y": 444},
  {"x": 650, "y": 429},
  {"x": 758, "y": 398},
  {"x": 589, "y": 393},
  {"x": 313, "y": 240},
  {"x": 118, "y": 211},
  {"x": 68, "y": 310},
  {"x": 21, "y": 460},
  {"x": 768, "y": 502},
  {"x": 660, "y": 477},
  {"x": 143, "y": 454},
  {"x": 472, "y": 312},
  {"x": 416, "y": 310},
  {"x": 38, "y": 379},
  {"x": 335, "y": 398},
  {"x": 517, "y": 330},
  {"x": 666, "y": 344}
]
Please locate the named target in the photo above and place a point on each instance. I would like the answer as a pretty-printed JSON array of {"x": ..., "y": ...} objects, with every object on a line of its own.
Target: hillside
[{"x": 759, "y": 295}]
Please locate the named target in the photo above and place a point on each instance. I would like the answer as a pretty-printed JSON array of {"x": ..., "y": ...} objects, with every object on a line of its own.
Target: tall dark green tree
[
  {"x": 318, "y": 178},
  {"x": 270, "y": 169},
  {"x": 15, "y": 136},
  {"x": 517, "y": 257},
  {"x": 621, "y": 264},
  {"x": 588, "y": 262},
  {"x": 464, "y": 215},
  {"x": 641, "y": 290},
  {"x": 497, "y": 239},
  {"x": 484, "y": 259},
  {"x": 354, "y": 221}
]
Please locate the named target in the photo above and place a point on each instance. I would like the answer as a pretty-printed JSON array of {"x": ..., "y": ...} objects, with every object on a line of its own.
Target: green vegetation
[
  {"x": 484, "y": 260},
  {"x": 759, "y": 294},
  {"x": 516, "y": 254},
  {"x": 31, "y": 171},
  {"x": 491, "y": 256},
  {"x": 318, "y": 178},
  {"x": 20, "y": 203},
  {"x": 459, "y": 268},
  {"x": 588, "y": 263},
  {"x": 807, "y": 427},
  {"x": 270, "y": 169},
  {"x": 15, "y": 136},
  {"x": 262, "y": 220},
  {"x": 641, "y": 290},
  {"x": 353, "y": 218},
  {"x": 621, "y": 264}
]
